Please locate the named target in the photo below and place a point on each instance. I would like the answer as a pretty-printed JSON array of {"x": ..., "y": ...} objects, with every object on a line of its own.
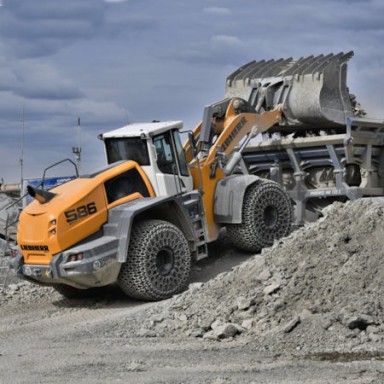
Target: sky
[{"x": 114, "y": 62}]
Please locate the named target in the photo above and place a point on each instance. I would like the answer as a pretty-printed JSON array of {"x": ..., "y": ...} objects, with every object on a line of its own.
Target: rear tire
[
  {"x": 159, "y": 261},
  {"x": 266, "y": 216}
]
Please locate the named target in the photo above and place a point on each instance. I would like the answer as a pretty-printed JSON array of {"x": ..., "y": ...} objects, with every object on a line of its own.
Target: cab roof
[{"x": 142, "y": 129}]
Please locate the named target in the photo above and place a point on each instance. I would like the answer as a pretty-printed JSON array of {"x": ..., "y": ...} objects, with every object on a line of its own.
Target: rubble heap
[
  {"x": 321, "y": 285},
  {"x": 321, "y": 288}
]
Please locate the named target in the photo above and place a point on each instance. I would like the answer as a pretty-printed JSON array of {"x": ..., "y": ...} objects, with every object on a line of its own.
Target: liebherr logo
[
  {"x": 26, "y": 247},
  {"x": 234, "y": 133}
]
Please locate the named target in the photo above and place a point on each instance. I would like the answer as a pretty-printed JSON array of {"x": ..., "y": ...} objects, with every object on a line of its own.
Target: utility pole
[{"x": 77, "y": 150}]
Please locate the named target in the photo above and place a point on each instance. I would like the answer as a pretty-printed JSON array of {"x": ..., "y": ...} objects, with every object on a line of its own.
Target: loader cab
[{"x": 157, "y": 148}]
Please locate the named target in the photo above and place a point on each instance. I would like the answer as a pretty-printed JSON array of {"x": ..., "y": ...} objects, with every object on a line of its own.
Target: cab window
[
  {"x": 180, "y": 154},
  {"x": 164, "y": 152}
]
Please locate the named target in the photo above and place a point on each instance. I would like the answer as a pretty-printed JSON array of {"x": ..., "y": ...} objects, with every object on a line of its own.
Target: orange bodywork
[
  {"x": 78, "y": 210},
  {"x": 230, "y": 131}
]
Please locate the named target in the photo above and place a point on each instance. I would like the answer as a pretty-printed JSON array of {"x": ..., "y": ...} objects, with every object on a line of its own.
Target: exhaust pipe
[{"x": 40, "y": 195}]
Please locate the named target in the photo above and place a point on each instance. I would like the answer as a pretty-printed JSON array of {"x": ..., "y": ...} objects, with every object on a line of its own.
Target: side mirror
[{"x": 192, "y": 143}]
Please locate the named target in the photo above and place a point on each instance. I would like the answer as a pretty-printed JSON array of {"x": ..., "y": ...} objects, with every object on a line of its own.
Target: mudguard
[
  {"x": 229, "y": 196},
  {"x": 120, "y": 219}
]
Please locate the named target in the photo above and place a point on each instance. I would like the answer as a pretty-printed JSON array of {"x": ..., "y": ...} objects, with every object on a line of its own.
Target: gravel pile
[{"x": 321, "y": 286}]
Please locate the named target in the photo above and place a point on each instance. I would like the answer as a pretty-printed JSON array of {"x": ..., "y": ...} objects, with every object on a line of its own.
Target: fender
[
  {"x": 121, "y": 219},
  {"x": 229, "y": 196}
]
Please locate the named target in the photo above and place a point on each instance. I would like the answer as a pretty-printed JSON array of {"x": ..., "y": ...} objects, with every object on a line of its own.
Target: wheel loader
[{"x": 149, "y": 214}]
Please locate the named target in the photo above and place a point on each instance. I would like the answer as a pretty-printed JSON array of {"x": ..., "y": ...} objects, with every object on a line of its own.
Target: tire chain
[
  {"x": 253, "y": 234},
  {"x": 139, "y": 276}
]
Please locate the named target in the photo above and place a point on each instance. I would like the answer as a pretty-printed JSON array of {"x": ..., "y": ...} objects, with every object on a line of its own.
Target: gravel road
[{"x": 57, "y": 341}]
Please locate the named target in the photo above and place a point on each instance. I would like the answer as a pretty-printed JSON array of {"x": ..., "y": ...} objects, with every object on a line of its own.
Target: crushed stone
[{"x": 319, "y": 288}]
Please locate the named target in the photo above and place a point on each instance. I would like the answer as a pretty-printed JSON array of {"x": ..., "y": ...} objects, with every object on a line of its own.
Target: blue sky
[{"x": 113, "y": 62}]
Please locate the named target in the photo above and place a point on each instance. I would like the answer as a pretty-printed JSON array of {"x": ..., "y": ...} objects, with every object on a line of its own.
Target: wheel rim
[
  {"x": 165, "y": 261},
  {"x": 270, "y": 216}
]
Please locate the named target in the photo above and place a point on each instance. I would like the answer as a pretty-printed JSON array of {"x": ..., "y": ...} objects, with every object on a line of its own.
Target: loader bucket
[{"x": 311, "y": 90}]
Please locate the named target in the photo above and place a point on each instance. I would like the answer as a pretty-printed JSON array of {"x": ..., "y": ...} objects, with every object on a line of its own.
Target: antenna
[
  {"x": 77, "y": 150},
  {"x": 22, "y": 151}
]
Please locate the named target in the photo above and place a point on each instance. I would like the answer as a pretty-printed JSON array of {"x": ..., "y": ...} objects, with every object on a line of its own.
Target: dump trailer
[
  {"x": 149, "y": 214},
  {"x": 324, "y": 148}
]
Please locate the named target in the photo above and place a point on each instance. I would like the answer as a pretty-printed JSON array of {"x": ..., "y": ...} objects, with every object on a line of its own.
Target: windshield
[{"x": 127, "y": 148}]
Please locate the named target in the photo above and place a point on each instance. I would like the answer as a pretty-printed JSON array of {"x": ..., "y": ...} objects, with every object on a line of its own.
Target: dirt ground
[{"x": 288, "y": 328}]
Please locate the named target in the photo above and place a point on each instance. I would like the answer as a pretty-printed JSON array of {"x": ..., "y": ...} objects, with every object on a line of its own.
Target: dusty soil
[{"x": 308, "y": 310}]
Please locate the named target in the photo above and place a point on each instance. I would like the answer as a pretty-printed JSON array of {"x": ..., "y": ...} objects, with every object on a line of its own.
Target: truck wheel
[
  {"x": 266, "y": 216},
  {"x": 158, "y": 264}
]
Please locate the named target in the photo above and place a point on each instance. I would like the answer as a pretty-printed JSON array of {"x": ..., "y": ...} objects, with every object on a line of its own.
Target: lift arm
[{"x": 225, "y": 125}]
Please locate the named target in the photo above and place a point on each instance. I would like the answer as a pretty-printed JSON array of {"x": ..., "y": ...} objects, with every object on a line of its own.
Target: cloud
[
  {"x": 58, "y": 10},
  {"x": 219, "y": 48},
  {"x": 224, "y": 41},
  {"x": 110, "y": 61},
  {"x": 51, "y": 131},
  {"x": 35, "y": 80},
  {"x": 41, "y": 28},
  {"x": 217, "y": 10}
]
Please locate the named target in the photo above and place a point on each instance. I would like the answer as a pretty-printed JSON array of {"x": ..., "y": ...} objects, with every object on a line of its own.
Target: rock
[
  {"x": 372, "y": 329},
  {"x": 240, "y": 329},
  {"x": 157, "y": 318},
  {"x": 217, "y": 323},
  {"x": 375, "y": 337},
  {"x": 326, "y": 323},
  {"x": 224, "y": 331},
  {"x": 248, "y": 324},
  {"x": 210, "y": 335},
  {"x": 197, "y": 333},
  {"x": 305, "y": 314},
  {"x": 183, "y": 317},
  {"x": 272, "y": 288},
  {"x": 289, "y": 327},
  {"x": 359, "y": 321},
  {"x": 240, "y": 316},
  {"x": 194, "y": 288},
  {"x": 264, "y": 275},
  {"x": 205, "y": 324},
  {"x": 13, "y": 288},
  {"x": 244, "y": 303}
]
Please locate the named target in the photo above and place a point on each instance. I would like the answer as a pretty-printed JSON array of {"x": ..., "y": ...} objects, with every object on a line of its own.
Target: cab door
[{"x": 172, "y": 172}]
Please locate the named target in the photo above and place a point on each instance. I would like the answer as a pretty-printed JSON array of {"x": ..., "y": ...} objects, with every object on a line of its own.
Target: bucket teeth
[{"x": 312, "y": 90}]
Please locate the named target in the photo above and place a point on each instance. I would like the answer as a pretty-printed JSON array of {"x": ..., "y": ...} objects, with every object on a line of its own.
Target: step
[
  {"x": 191, "y": 203},
  {"x": 201, "y": 251}
]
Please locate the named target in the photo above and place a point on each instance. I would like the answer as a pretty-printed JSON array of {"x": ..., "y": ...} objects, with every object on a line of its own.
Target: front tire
[
  {"x": 159, "y": 261},
  {"x": 266, "y": 216}
]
